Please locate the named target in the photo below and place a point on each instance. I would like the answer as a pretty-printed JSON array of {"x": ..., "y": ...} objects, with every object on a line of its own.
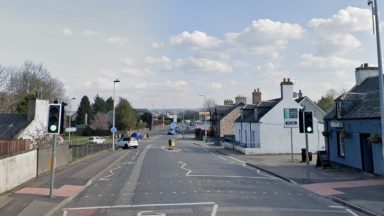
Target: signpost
[{"x": 291, "y": 121}]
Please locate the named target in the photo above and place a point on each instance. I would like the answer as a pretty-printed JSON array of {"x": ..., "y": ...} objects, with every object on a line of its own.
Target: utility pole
[{"x": 375, "y": 13}]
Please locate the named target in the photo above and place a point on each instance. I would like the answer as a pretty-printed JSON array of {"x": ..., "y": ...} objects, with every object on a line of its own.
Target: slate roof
[
  {"x": 11, "y": 124},
  {"x": 263, "y": 108},
  {"x": 362, "y": 101}
]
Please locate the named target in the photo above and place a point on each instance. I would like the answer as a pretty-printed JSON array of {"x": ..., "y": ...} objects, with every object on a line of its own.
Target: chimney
[
  {"x": 300, "y": 94},
  {"x": 256, "y": 96},
  {"x": 286, "y": 89},
  {"x": 228, "y": 102},
  {"x": 240, "y": 99},
  {"x": 364, "y": 71},
  {"x": 31, "y": 110}
]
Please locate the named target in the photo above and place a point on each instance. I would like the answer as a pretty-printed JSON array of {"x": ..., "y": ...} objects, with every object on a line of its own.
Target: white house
[
  {"x": 262, "y": 126},
  {"x": 37, "y": 120}
]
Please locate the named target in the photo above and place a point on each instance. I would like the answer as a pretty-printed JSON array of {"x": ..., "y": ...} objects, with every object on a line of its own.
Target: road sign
[
  {"x": 113, "y": 130},
  {"x": 71, "y": 129},
  {"x": 291, "y": 118}
]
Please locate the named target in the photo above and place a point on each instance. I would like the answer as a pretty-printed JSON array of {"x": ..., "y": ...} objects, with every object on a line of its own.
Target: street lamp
[
  {"x": 113, "y": 121},
  {"x": 205, "y": 118},
  {"x": 70, "y": 119},
  {"x": 375, "y": 13}
]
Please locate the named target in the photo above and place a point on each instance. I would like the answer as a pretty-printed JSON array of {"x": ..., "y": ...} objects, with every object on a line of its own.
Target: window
[{"x": 340, "y": 146}]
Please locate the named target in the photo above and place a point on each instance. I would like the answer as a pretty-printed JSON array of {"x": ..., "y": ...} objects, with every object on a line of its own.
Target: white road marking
[
  {"x": 144, "y": 206},
  {"x": 214, "y": 210},
  {"x": 336, "y": 207},
  {"x": 183, "y": 166},
  {"x": 352, "y": 213}
]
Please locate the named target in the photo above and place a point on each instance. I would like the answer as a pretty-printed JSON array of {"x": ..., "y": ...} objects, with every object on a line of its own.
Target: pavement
[
  {"x": 33, "y": 198},
  {"x": 358, "y": 190}
]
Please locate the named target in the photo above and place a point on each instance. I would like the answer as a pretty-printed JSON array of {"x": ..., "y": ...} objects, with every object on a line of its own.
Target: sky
[{"x": 168, "y": 52}]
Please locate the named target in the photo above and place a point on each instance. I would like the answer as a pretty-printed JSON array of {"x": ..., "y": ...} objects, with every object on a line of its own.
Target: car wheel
[
  {"x": 126, "y": 146},
  {"x": 135, "y": 147}
]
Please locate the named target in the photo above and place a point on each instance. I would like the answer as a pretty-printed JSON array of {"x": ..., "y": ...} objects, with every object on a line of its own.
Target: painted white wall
[
  {"x": 274, "y": 138},
  {"x": 38, "y": 126},
  {"x": 11, "y": 176}
]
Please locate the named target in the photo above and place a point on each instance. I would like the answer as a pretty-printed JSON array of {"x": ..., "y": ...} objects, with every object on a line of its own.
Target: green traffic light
[
  {"x": 53, "y": 128},
  {"x": 309, "y": 129}
]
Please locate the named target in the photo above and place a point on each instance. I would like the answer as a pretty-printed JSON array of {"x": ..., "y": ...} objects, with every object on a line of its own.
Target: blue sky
[{"x": 167, "y": 52}]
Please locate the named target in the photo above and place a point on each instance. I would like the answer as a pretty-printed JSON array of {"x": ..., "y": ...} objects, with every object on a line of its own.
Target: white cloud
[
  {"x": 337, "y": 44},
  {"x": 203, "y": 65},
  {"x": 137, "y": 72},
  {"x": 128, "y": 61},
  {"x": 266, "y": 37},
  {"x": 196, "y": 39},
  {"x": 67, "y": 32},
  {"x": 350, "y": 19},
  {"x": 174, "y": 84},
  {"x": 163, "y": 60},
  {"x": 216, "y": 85},
  {"x": 156, "y": 45},
  {"x": 328, "y": 64},
  {"x": 121, "y": 41},
  {"x": 88, "y": 33}
]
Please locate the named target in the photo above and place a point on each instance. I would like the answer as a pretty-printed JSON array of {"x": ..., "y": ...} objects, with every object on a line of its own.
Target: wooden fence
[{"x": 14, "y": 147}]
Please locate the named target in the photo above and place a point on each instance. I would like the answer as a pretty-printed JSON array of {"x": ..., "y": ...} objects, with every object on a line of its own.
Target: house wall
[
  {"x": 227, "y": 123},
  {"x": 11, "y": 176},
  {"x": 38, "y": 125},
  {"x": 317, "y": 113},
  {"x": 274, "y": 138},
  {"x": 352, "y": 148}
]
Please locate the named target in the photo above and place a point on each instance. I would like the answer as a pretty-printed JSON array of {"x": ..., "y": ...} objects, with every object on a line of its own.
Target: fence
[
  {"x": 14, "y": 147},
  {"x": 79, "y": 151}
]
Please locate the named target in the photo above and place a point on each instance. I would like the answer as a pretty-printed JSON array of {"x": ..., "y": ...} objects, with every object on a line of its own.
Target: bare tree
[
  {"x": 4, "y": 75},
  {"x": 100, "y": 121},
  {"x": 209, "y": 103}
]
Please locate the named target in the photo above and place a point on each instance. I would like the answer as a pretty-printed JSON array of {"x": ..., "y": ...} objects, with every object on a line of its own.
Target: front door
[{"x": 366, "y": 153}]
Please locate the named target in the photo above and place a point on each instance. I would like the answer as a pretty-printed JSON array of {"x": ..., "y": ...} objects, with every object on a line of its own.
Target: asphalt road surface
[{"x": 193, "y": 180}]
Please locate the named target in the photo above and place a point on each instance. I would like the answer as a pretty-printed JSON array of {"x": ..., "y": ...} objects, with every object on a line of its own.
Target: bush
[{"x": 87, "y": 131}]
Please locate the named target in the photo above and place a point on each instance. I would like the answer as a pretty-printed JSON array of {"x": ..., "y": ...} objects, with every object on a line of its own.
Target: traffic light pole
[
  {"x": 307, "y": 155},
  {"x": 53, "y": 159}
]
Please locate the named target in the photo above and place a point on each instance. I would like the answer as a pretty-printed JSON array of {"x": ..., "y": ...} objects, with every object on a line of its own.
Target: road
[{"x": 193, "y": 180}]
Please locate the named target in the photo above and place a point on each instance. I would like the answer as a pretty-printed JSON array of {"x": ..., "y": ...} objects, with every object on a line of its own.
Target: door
[{"x": 366, "y": 153}]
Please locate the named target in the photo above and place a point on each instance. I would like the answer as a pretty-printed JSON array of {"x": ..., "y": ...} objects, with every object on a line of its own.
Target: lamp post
[
  {"x": 70, "y": 119},
  {"x": 205, "y": 118},
  {"x": 113, "y": 121},
  {"x": 375, "y": 13}
]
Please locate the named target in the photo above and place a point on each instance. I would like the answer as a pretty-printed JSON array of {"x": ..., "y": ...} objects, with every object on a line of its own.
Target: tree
[
  {"x": 98, "y": 105},
  {"x": 191, "y": 115},
  {"x": 126, "y": 116},
  {"x": 109, "y": 104},
  {"x": 209, "y": 103},
  {"x": 84, "y": 108},
  {"x": 22, "y": 106},
  {"x": 327, "y": 102},
  {"x": 35, "y": 78},
  {"x": 100, "y": 121},
  {"x": 147, "y": 118},
  {"x": 4, "y": 74}
]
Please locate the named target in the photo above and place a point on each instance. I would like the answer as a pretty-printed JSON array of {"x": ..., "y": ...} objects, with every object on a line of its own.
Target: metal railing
[{"x": 79, "y": 151}]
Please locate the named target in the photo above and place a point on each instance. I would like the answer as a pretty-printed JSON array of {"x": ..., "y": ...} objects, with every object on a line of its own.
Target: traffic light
[
  {"x": 308, "y": 122},
  {"x": 301, "y": 122},
  {"x": 54, "y": 118},
  {"x": 62, "y": 119}
]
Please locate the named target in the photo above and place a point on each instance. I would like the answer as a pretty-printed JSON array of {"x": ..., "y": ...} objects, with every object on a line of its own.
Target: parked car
[
  {"x": 127, "y": 142},
  {"x": 96, "y": 140},
  {"x": 171, "y": 131},
  {"x": 138, "y": 136}
]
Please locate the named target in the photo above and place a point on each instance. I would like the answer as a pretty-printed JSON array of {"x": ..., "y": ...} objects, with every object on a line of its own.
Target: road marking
[
  {"x": 144, "y": 206},
  {"x": 156, "y": 214},
  {"x": 188, "y": 174},
  {"x": 214, "y": 210},
  {"x": 352, "y": 213},
  {"x": 106, "y": 178}
]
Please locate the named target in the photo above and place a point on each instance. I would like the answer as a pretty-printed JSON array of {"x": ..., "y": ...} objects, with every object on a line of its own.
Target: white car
[
  {"x": 96, "y": 140},
  {"x": 127, "y": 142}
]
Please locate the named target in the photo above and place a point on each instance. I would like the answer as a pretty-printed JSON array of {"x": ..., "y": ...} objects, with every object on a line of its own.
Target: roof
[
  {"x": 362, "y": 101},
  {"x": 223, "y": 110},
  {"x": 11, "y": 125},
  {"x": 261, "y": 108}
]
